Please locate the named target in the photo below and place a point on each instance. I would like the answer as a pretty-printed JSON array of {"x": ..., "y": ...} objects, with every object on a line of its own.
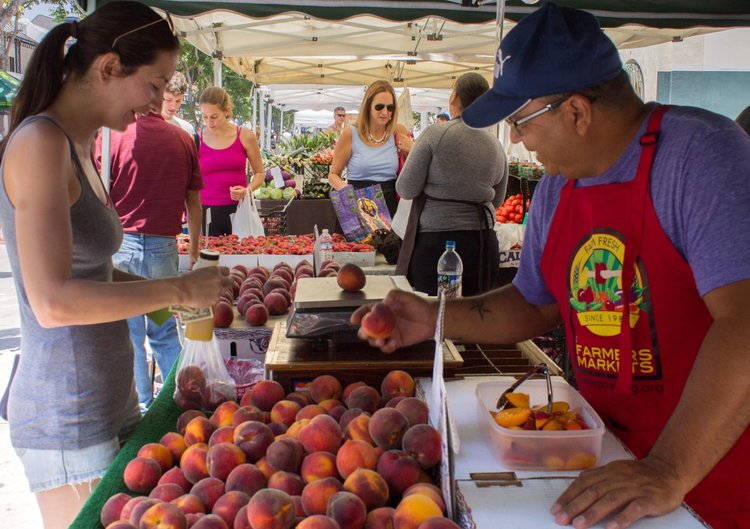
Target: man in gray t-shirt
[{"x": 637, "y": 243}]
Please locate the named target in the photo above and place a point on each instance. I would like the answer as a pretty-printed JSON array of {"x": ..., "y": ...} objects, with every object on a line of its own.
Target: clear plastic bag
[{"x": 202, "y": 381}]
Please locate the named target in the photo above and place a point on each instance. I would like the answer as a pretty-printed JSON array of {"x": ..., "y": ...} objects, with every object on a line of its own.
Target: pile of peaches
[{"x": 330, "y": 458}]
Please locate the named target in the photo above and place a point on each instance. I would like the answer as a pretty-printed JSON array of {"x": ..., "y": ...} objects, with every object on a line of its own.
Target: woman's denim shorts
[{"x": 49, "y": 469}]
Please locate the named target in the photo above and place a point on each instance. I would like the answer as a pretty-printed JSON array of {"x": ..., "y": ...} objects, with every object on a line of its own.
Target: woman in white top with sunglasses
[{"x": 370, "y": 148}]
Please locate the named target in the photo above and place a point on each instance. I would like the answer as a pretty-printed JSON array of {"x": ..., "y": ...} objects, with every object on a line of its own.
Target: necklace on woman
[{"x": 377, "y": 142}]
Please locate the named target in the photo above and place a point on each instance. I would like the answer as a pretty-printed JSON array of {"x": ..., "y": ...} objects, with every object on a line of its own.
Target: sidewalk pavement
[{"x": 18, "y": 507}]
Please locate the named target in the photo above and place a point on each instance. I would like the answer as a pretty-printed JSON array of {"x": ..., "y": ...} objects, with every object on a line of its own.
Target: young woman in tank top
[
  {"x": 224, "y": 153},
  {"x": 73, "y": 400}
]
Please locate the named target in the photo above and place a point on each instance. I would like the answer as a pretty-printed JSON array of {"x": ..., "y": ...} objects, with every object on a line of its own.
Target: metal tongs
[{"x": 536, "y": 370}]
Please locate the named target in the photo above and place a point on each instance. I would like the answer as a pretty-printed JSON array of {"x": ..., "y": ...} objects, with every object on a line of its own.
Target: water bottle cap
[
  {"x": 450, "y": 245},
  {"x": 209, "y": 255}
]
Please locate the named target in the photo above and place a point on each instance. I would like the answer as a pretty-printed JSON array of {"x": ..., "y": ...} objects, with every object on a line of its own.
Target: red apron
[{"x": 607, "y": 256}]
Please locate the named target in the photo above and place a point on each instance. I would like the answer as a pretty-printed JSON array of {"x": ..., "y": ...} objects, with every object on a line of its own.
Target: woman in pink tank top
[{"x": 224, "y": 152}]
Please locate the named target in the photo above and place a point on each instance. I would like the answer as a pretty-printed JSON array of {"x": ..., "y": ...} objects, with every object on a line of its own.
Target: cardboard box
[
  {"x": 269, "y": 261},
  {"x": 357, "y": 258},
  {"x": 510, "y": 258},
  {"x": 248, "y": 260},
  {"x": 247, "y": 344}
]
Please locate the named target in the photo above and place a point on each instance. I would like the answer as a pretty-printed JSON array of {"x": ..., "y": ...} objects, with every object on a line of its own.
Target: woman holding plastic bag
[
  {"x": 246, "y": 220},
  {"x": 225, "y": 150},
  {"x": 456, "y": 177},
  {"x": 370, "y": 148},
  {"x": 73, "y": 398}
]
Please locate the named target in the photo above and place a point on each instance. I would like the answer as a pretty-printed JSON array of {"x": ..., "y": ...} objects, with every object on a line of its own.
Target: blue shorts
[{"x": 50, "y": 469}]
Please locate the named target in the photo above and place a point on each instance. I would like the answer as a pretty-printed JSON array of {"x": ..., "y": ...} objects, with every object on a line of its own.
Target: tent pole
[
  {"x": 262, "y": 121},
  {"x": 254, "y": 104},
  {"x": 500, "y": 18},
  {"x": 217, "y": 72},
  {"x": 269, "y": 125},
  {"x": 281, "y": 121}
]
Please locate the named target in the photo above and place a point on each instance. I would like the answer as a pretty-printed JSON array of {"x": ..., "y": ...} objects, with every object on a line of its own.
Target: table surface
[{"x": 525, "y": 506}]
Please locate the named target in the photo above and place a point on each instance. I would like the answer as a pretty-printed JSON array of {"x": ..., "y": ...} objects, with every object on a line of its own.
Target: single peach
[
  {"x": 193, "y": 462},
  {"x": 309, "y": 411},
  {"x": 347, "y": 509},
  {"x": 225, "y": 434},
  {"x": 186, "y": 417},
  {"x": 315, "y": 495},
  {"x": 325, "y": 387},
  {"x": 429, "y": 490},
  {"x": 351, "y": 387},
  {"x": 318, "y": 521},
  {"x": 322, "y": 434},
  {"x": 246, "y": 413},
  {"x": 159, "y": 453},
  {"x": 240, "y": 520},
  {"x": 318, "y": 465},
  {"x": 189, "y": 504},
  {"x": 209, "y": 521},
  {"x": 198, "y": 430},
  {"x": 266, "y": 393},
  {"x": 254, "y": 438},
  {"x": 141, "y": 507},
  {"x": 414, "y": 509},
  {"x": 399, "y": 470},
  {"x": 223, "y": 458},
  {"x": 379, "y": 322},
  {"x": 424, "y": 443},
  {"x": 229, "y": 504},
  {"x": 167, "y": 492},
  {"x": 223, "y": 414},
  {"x": 175, "y": 443},
  {"x": 366, "y": 398},
  {"x": 286, "y": 454},
  {"x": 163, "y": 516},
  {"x": 397, "y": 383},
  {"x": 369, "y": 486},
  {"x": 359, "y": 429},
  {"x": 246, "y": 478},
  {"x": 289, "y": 482},
  {"x": 351, "y": 278},
  {"x": 142, "y": 474},
  {"x": 176, "y": 476},
  {"x": 348, "y": 415},
  {"x": 380, "y": 518},
  {"x": 356, "y": 454},
  {"x": 113, "y": 507},
  {"x": 414, "y": 409},
  {"x": 127, "y": 509},
  {"x": 271, "y": 509},
  {"x": 285, "y": 412},
  {"x": 208, "y": 490},
  {"x": 387, "y": 427}
]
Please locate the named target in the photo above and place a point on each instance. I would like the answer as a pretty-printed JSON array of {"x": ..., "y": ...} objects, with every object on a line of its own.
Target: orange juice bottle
[{"x": 203, "y": 330}]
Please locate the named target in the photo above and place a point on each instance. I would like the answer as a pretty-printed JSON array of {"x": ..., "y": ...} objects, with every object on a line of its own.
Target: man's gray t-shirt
[{"x": 700, "y": 191}]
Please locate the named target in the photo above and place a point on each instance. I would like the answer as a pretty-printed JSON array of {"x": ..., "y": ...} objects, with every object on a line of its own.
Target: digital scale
[{"x": 318, "y": 338}]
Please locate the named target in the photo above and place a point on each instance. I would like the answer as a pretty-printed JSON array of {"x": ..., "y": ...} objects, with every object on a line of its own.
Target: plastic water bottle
[
  {"x": 450, "y": 268},
  {"x": 326, "y": 246}
]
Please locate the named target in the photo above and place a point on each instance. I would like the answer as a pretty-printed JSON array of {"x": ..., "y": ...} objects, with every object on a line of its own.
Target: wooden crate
[
  {"x": 293, "y": 361},
  {"x": 509, "y": 359}
]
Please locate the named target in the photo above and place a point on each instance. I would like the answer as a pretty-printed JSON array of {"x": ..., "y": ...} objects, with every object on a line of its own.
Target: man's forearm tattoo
[{"x": 480, "y": 308}]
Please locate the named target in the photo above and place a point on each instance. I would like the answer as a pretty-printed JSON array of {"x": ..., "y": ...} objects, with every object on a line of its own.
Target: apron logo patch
[{"x": 596, "y": 286}]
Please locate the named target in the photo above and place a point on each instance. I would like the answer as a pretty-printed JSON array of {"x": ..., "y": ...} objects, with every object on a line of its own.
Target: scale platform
[
  {"x": 294, "y": 362},
  {"x": 321, "y": 309}
]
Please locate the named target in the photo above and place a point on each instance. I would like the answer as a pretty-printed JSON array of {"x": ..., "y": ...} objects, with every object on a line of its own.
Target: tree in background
[
  {"x": 13, "y": 10},
  {"x": 199, "y": 71}
]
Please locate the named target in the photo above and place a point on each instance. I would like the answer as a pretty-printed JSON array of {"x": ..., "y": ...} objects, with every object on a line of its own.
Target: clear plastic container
[{"x": 541, "y": 449}]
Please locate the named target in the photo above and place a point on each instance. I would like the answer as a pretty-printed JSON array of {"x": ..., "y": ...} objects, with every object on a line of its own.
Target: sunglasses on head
[
  {"x": 381, "y": 106},
  {"x": 168, "y": 20}
]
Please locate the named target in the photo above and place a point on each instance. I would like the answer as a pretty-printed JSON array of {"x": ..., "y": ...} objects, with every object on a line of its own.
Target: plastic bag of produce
[
  {"x": 246, "y": 220},
  {"x": 202, "y": 380}
]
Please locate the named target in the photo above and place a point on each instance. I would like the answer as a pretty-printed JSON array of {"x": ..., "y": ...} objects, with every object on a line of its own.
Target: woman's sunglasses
[
  {"x": 380, "y": 106},
  {"x": 168, "y": 20}
]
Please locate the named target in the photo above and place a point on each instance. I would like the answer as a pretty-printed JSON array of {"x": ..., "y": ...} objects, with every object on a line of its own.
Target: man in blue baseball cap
[{"x": 632, "y": 243}]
